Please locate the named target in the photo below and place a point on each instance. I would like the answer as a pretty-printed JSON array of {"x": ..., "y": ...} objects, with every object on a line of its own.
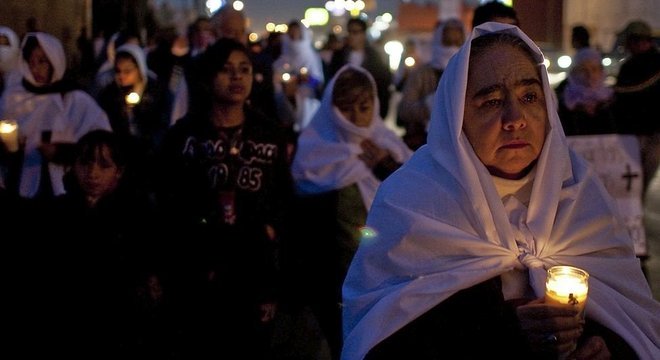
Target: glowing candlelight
[
  {"x": 409, "y": 61},
  {"x": 567, "y": 285},
  {"x": 286, "y": 77},
  {"x": 9, "y": 134},
  {"x": 132, "y": 98}
]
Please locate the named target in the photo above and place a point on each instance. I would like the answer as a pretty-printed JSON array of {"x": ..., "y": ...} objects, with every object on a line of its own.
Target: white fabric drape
[
  {"x": 140, "y": 59},
  {"x": 297, "y": 54},
  {"x": 328, "y": 149},
  {"x": 9, "y": 54},
  {"x": 68, "y": 116},
  {"x": 441, "y": 227}
]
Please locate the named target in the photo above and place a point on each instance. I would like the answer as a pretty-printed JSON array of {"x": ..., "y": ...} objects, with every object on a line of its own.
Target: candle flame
[
  {"x": 7, "y": 126},
  {"x": 132, "y": 98}
]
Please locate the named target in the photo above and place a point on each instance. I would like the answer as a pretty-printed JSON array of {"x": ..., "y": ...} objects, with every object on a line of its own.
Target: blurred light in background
[
  {"x": 564, "y": 61},
  {"x": 214, "y": 5},
  {"x": 409, "y": 61},
  {"x": 238, "y": 5},
  {"x": 394, "y": 49},
  {"x": 281, "y": 28},
  {"x": 316, "y": 16},
  {"x": 546, "y": 62}
]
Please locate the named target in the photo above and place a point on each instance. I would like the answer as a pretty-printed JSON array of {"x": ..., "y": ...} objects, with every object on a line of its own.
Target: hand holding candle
[
  {"x": 9, "y": 134},
  {"x": 567, "y": 285}
]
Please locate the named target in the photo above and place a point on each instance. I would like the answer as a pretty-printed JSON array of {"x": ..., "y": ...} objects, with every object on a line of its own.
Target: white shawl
[
  {"x": 9, "y": 54},
  {"x": 328, "y": 149},
  {"x": 297, "y": 54},
  {"x": 68, "y": 116},
  {"x": 140, "y": 59},
  {"x": 441, "y": 227}
]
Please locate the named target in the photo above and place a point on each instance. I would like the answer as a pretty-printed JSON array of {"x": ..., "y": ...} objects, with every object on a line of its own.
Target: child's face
[{"x": 98, "y": 176}]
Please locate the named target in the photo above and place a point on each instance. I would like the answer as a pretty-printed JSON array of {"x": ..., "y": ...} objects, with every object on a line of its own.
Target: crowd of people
[{"x": 191, "y": 193}]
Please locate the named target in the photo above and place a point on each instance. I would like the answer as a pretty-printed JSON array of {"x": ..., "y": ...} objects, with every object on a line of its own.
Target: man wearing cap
[{"x": 637, "y": 92}]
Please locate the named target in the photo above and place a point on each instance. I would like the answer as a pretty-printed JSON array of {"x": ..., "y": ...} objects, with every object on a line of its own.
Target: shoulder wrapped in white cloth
[
  {"x": 328, "y": 149},
  {"x": 441, "y": 227}
]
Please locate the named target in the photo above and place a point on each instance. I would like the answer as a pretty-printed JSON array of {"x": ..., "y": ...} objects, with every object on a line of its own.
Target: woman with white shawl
[
  {"x": 462, "y": 235},
  {"x": 51, "y": 115},
  {"x": 584, "y": 99},
  {"x": 9, "y": 53},
  {"x": 297, "y": 77},
  {"x": 342, "y": 157},
  {"x": 414, "y": 109}
]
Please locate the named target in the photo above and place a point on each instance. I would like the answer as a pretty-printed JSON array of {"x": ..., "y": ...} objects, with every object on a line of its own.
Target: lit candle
[
  {"x": 9, "y": 134},
  {"x": 132, "y": 98},
  {"x": 567, "y": 285}
]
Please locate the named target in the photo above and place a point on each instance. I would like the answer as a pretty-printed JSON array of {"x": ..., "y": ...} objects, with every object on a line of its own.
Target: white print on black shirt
[{"x": 214, "y": 156}]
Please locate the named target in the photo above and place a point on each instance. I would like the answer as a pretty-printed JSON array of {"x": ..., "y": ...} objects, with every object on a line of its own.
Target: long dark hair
[
  {"x": 205, "y": 69},
  {"x": 87, "y": 148},
  {"x": 62, "y": 86}
]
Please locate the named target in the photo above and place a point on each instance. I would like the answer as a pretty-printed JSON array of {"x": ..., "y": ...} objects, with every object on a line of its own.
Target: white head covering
[
  {"x": 299, "y": 53},
  {"x": 54, "y": 52},
  {"x": 328, "y": 149},
  {"x": 577, "y": 91},
  {"x": 441, "y": 227},
  {"x": 440, "y": 53},
  {"x": 9, "y": 54},
  {"x": 140, "y": 58}
]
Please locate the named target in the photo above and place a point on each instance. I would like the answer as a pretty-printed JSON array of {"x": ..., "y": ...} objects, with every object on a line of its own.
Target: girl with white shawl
[
  {"x": 441, "y": 227},
  {"x": 341, "y": 158},
  {"x": 331, "y": 151},
  {"x": 51, "y": 114}
]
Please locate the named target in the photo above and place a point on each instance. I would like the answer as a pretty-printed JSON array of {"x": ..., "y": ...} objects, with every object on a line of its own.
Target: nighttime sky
[{"x": 282, "y": 11}]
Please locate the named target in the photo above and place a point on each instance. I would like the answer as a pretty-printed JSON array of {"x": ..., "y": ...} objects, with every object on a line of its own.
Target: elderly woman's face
[
  {"x": 589, "y": 73},
  {"x": 505, "y": 117}
]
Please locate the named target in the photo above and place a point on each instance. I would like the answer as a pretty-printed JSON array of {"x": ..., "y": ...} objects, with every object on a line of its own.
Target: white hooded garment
[
  {"x": 9, "y": 54},
  {"x": 328, "y": 149},
  {"x": 68, "y": 116},
  {"x": 440, "y": 227}
]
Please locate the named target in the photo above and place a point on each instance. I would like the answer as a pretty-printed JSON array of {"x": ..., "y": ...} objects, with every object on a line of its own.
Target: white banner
[{"x": 617, "y": 160}]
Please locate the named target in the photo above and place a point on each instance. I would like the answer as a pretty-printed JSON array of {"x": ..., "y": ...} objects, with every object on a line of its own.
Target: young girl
[
  {"x": 99, "y": 272},
  {"x": 342, "y": 157},
  {"x": 51, "y": 114},
  {"x": 225, "y": 183}
]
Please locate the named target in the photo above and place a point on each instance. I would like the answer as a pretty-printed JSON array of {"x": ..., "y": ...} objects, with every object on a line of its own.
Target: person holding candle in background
[
  {"x": 297, "y": 78},
  {"x": 50, "y": 113},
  {"x": 135, "y": 104},
  {"x": 454, "y": 264}
]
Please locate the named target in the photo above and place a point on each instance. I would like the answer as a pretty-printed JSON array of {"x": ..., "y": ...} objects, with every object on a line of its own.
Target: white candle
[
  {"x": 567, "y": 285},
  {"x": 9, "y": 134}
]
